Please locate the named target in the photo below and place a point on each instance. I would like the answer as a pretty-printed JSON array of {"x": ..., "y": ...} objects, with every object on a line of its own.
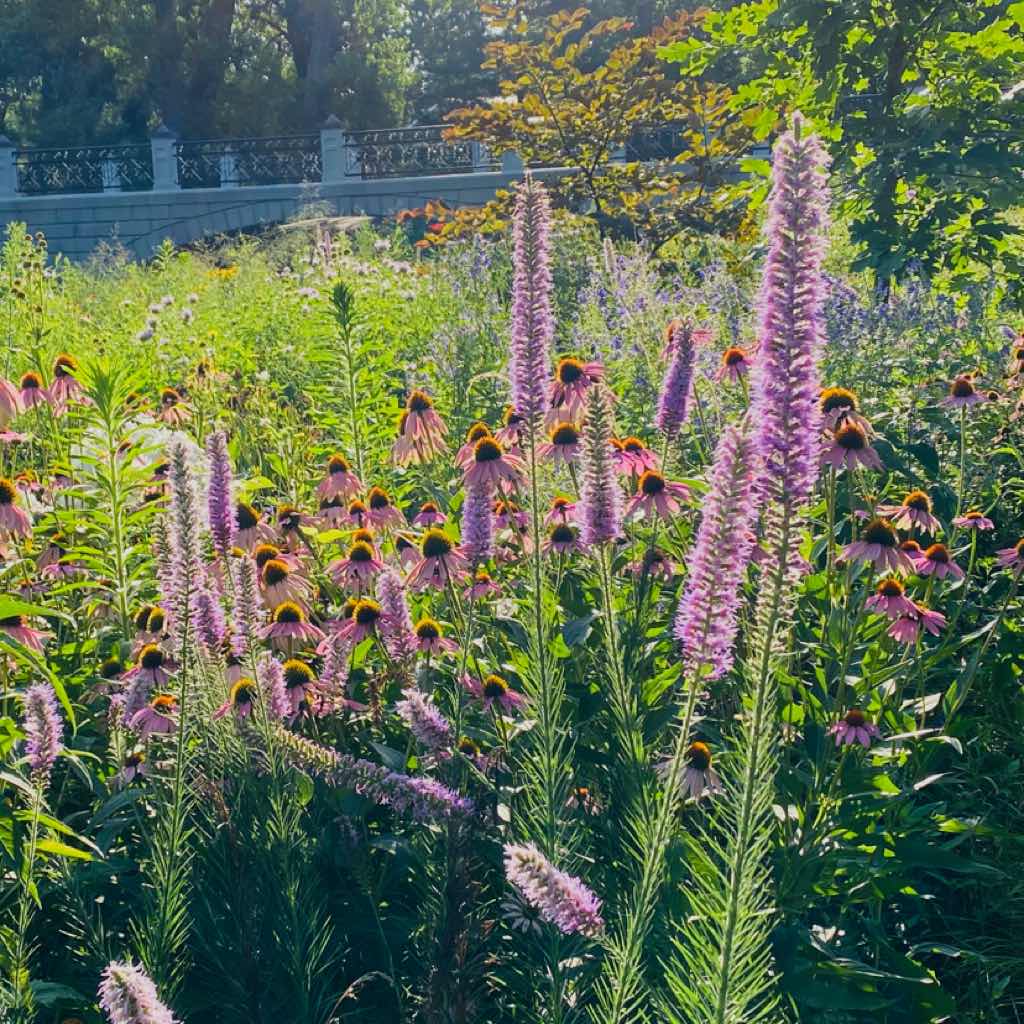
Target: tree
[
  {"x": 922, "y": 103},
  {"x": 577, "y": 94}
]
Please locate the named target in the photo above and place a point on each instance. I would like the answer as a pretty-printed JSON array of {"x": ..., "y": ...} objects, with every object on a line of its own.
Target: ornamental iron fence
[
  {"x": 233, "y": 163},
  {"x": 70, "y": 169}
]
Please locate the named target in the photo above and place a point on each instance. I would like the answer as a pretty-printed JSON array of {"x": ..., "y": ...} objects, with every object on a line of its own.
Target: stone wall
[{"x": 75, "y": 224}]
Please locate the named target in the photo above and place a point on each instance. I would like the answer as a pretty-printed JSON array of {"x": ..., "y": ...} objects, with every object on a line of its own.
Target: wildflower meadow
[{"x": 531, "y": 628}]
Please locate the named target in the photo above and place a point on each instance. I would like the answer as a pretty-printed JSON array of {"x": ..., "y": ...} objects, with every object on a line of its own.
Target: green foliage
[{"x": 922, "y": 106}]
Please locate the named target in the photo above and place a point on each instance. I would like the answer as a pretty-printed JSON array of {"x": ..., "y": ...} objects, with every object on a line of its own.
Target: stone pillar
[
  {"x": 332, "y": 151},
  {"x": 511, "y": 163},
  {"x": 228, "y": 168},
  {"x": 110, "y": 173},
  {"x": 481, "y": 156},
  {"x": 8, "y": 168},
  {"x": 163, "y": 144}
]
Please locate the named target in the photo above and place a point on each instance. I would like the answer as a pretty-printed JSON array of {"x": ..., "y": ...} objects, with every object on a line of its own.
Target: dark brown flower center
[
  {"x": 476, "y": 432},
  {"x": 652, "y": 483},
  {"x": 962, "y": 387},
  {"x": 378, "y": 498},
  {"x": 428, "y": 508},
  {"x": 487, "y": 449},
  {"x": 8, "y": 493},
  {"x": 151, "y": 657},
  {"x": 265, "y": 553},
  {"x": 356, "y": 509},
  {"x": 13, "y": 622},
  {"x": 337, "y": 464},
  {"x": 164, "y": 703},
  {"x": 851, "y": 437},
  {"x": 64, "y": 366},
  {"x": 297, "y": 673},
  {"x": 142, "y": 617},
  {"x": 937, "y": 553},
  {"x": 111, "y": 668},
  {"x": 633, "y": 445},
  {"x": 288, "y": 611},
  {"x": 880, "y": 531},
  {"x": 243, "y": 692},
  {"x": 428, "y": 629},
  {"x": 419, "y": 401},
  {"x": 562, "y": 533},
  {"x": 360, "y": 552},
  {"x": 833, "y": 399},
  {"x": 565, "y": 433},
  {"x": 911, "y": 547},
  {"x": 289, "y": 517},
  {"x": 855, "y": 718},
  {"x": 246, "y": 517},
  {"x": 157, "y": 619},
  {"x": 699, "y": 756},
  {"x": 733, "y": 356},
  {"x": 275, "y": 571},
  {"x": 890, "y": 588},
  {"x": 435, "y": 544},
  {"x": 30, "y": 381},
  {"x": 367, "y": 612},
  {"x": 919, "y": 501},
  {"x": 570, "y": 371},
  {"x": 494, "y": 687}
]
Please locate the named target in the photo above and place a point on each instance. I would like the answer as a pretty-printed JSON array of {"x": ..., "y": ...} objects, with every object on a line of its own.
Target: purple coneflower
[
  {"x": 559, "y": 898},
  {"x": 477, "y": 432},
  {"x": 656, "y": 496},
  {"x": 562, "y": 510},
  {"x": 289, "y": 625},
  {"x": 563, "y": 444},
  {"x": 1012, "y": 558},
  {"x": 676, "y": 389},
  {"x": 159, "y": 717},
  {"x": 357, "y": 568},
  {"x": 533, "y": 325},
  {"x": 300, "y": 684},
  {"x": 562, "y": 539},
  {"x": 907, "y": 628},
  {"x": 241, "y": 700},
  {"x": 493, "y": 689},
  {"x": 880, "y": 546},
  {"x": 699, "y": 778},
  {"x": 44, "y": 731},
  {"x": 31, "y": 391},
  {"x": 890, "y": 599},
  {"x": 422, "y": 431},
  {"x": 494, "y": 466},
  {"x": 382, "y": 512},
  {"x": 10, "y": 404},
  {"x": 441, "y": 562},
  {"x": 250, "y": 527},
  {"x": 134, "y": 766},
  {"x": 357, "y": 514},
  {"x": 734, "y": 365},
  {"x": 220, "y": 510},
  {"x": 65, "y": 387},
  {"x": 429, "y": 515},
  {"x": 429, "y": 639},
  {"x": 633, "y": 457},
  {"x": 481, "y": 586},
  {"x": 705, "y": 623},
  {"x": 510, "y": 433},
  {"x": 962, "y": 393},
  {"x": 14, "y": 520},
  {"x": 854, "y": 727},
  {"x": 936, "y": 561},
  {"x": 914, "y": 511},
  {"x": 17, "y": 627},
  {"x": 838, "y": 406},
  {"x": 154, "y": 667},
  {"x": 173, "y": 410},
  {"x": 340, "y": 481},
  {"x": 128, "y": 996},
  {"x": 850, "y": 448},
  {"x": 423, "y": 719},
  {"x": 972, "y": 519},
  {"x": 600, "y": 497},
  {"x": 568, "y": 395},
  {"x": 653, "y": 563},
  {"x": 281, "y": 582},
  {"x": 364, "y": 621}
]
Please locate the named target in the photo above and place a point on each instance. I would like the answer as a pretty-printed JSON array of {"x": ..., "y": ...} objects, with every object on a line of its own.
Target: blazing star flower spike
[
  {"x": 220, "y": 509},
  {"x": 559, "y": 898},
  {"x": 44, "y": 731},
  {"x": 128, "y": 996}
]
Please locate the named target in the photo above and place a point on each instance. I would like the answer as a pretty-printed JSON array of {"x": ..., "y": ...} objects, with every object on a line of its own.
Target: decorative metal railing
[
  {"x": 409, "y": 152},
  {"x": 84, "y": 169},
  {"x": 227, "y": 163}
]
